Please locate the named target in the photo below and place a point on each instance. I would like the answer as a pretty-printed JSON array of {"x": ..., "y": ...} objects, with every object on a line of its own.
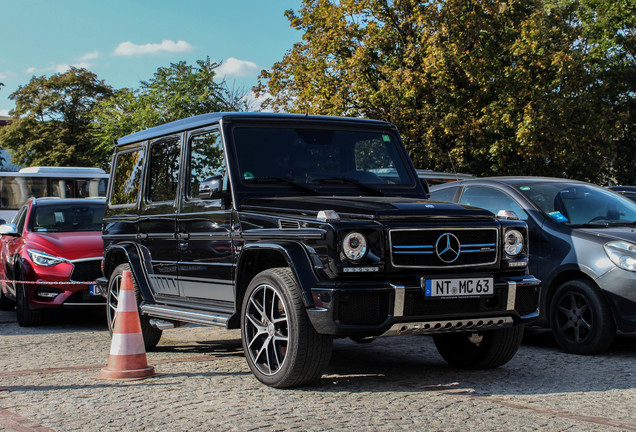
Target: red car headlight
[{"x": 44, "y": 259}]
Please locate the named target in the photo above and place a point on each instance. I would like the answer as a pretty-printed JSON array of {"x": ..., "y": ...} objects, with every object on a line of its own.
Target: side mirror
[
  {"x": 426, "y": 187},
  {"x": 9, "y": 229},
  {"x": 211, "y": 187}
]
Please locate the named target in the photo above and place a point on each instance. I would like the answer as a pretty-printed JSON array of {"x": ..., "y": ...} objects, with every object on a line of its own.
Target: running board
[{"x": 187, "y": 315}]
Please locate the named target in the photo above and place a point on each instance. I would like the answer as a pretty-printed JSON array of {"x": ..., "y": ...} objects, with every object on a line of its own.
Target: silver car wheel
[{"x": 266, "y": 329}]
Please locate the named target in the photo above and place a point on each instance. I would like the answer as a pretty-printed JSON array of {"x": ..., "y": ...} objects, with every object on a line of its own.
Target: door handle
[
  {"x": 182, "y": 236},
  {"x": 142, "y": 236}
]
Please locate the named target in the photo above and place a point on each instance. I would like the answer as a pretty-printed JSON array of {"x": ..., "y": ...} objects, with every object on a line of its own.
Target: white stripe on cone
[
  {"x": 126, "y": 301},
  {"x": 127, "y": 343}
]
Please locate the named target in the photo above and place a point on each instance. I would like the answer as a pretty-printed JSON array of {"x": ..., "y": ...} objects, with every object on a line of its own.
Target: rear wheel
[
  {"x": 481, "y": 350},
  {"x": 150, "y": 334},
  {"x": 27, "y": 317},
  {"x": 580, "y": 319},
  {"x": 281, "y": 346}
]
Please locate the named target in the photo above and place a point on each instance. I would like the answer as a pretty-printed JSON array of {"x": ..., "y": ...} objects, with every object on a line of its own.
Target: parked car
[
  {"x": 50, "y": 256},
  {"x": 298, "y": 229},
  {"x": 628, "y": 191},
  {"x": 582, "y": 247}
]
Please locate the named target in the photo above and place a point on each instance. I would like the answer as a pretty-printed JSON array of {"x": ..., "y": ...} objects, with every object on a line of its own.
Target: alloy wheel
[
  {"x": 574, "y": 317},
  {"x": 113, "y": 300},
  {"x": 267, "y": 329}
]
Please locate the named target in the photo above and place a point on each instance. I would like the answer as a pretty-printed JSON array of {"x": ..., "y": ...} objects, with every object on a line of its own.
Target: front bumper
[
  {"x": 619, "y": 288},
  {"x": 375, "y": 309}
]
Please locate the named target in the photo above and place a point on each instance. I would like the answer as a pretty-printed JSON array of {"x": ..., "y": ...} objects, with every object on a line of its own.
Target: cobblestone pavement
[{"x": 47, "y": 383}]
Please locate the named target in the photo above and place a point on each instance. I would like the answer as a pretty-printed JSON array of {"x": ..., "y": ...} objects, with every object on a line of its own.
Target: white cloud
[
  {"x": 236, "y": 67},
  {"x": 58, "y": 68},
  {"x": 89, "y": 56},
  {"x": 127, "y": 49}
]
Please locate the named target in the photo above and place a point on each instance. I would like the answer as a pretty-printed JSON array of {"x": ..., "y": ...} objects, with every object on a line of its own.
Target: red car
[{"x": 50, "y": 255}]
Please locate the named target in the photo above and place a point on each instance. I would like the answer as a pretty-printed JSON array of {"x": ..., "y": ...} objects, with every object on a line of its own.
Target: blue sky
[{"x": 124, "y": 42}]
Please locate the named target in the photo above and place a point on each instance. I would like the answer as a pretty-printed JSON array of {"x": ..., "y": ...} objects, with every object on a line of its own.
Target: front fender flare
[{"x": 297, "y": 258}]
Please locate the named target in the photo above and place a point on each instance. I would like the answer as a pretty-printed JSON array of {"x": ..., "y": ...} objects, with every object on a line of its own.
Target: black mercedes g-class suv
[{"x": 299, "y": 229}]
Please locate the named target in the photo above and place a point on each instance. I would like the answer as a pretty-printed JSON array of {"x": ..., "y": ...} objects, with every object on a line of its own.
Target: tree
[
  {"x": 496, "y": 87},
  {"x": 609, "y": 36},
  {"x": 52, "y": 119},
  {"x": 174, "y": 92}
]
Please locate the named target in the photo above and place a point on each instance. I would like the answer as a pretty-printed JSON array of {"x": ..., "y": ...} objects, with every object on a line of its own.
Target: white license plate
[{"x": 468, "y": 287}]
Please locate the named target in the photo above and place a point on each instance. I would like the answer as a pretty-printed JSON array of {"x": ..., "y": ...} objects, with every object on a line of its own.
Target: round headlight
[
  {"x": 513, "y": 243},
  {"x": 622, "y": 253},
  {"x": 354, "y": 246}
]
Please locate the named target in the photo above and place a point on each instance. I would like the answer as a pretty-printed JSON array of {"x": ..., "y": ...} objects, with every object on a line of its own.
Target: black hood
[{"x": 365, "y": 207}]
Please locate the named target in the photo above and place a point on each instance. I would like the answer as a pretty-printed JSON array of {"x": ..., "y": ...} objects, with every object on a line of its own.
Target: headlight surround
[
  {"x": 354, "y": 246},
  {"x": 513, "y": 243},
  {"x": 44, "y": 259},
  {"x": 622, "y": 253}
]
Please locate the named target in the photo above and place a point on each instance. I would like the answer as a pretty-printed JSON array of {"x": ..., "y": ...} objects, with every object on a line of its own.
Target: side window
[
  {"x": 492, "y": 200},
  {"x": 206, "y": 161},
  {"x": 127, "y": 178},
  {"x": 20, "y": 219},
  {"x": 163, "y": 176},
  {"x": 446, "y": 194}
]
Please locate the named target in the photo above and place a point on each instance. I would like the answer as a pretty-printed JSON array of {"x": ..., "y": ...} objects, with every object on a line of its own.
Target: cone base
[{"x": 135, "y": 374}]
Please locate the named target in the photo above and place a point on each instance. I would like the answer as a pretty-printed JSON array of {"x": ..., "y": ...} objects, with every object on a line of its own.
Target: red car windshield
[{"x": 67, "y": 218}]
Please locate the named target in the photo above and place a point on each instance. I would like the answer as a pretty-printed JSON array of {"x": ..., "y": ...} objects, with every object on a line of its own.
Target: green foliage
[
  {"x": 52, "y": 119},
  {"x": 174, "y": 92},
  {"x": 520, "y": 87}
]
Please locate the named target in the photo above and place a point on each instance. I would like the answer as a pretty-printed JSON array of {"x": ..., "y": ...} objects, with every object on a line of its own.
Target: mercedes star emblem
[{"x": 448, "y": 248}]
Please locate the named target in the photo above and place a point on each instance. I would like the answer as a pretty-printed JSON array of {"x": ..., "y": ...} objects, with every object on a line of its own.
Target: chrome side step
[
  {"x": 451, "y": 326},
  {"x": 178, "y": 314}
]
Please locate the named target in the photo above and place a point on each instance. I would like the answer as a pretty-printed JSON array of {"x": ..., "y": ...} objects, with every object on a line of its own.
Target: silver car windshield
[{"x": 581, "y": 205}]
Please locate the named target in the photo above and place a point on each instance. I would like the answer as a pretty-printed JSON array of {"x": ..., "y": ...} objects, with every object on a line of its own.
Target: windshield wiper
[
  {"x": 284, "y": 180},
  {"x": 349, "y": 180},
  {"x": 605, "y": 225}
]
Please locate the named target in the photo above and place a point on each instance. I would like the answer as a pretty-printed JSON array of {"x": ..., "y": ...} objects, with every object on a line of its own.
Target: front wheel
[
  {"x": 281, "y": 346},
  {"x": 480, "y": 350},
  {"x": 580, "y": 319},
  {"x": 150, "y": 334},
  {"x": 26, "y": 316},
  {"x": 6, "y": 304}
]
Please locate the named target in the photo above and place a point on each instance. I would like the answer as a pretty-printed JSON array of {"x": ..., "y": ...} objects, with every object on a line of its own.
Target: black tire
[
  {"x": 151, "y": 334},
  {"x": 6, "y": 304},
  {"x": 281, "y": 346},
  {"x": 580, "y": 319},
  {"x": 26, "y": 316},
  {"x": 482, "y": 350}
]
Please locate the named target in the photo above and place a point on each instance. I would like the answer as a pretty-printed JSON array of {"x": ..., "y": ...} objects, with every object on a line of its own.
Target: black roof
[{"x": 206, "y": 119}]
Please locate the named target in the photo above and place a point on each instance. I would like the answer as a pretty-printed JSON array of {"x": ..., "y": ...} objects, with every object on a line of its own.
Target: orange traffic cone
[{"x": 127, "y": 360}]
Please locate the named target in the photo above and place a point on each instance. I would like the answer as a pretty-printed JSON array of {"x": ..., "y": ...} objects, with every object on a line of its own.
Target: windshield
[
  {"x": 581, "y": 205},
  {"x": 319, "y": 157},
  {"x": 67, "y": 218}
]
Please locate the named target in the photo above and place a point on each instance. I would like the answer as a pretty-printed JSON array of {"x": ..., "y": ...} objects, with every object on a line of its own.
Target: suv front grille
[
  {"x": 87, "y": 271},
  {"x": 417, "y": 247}
]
